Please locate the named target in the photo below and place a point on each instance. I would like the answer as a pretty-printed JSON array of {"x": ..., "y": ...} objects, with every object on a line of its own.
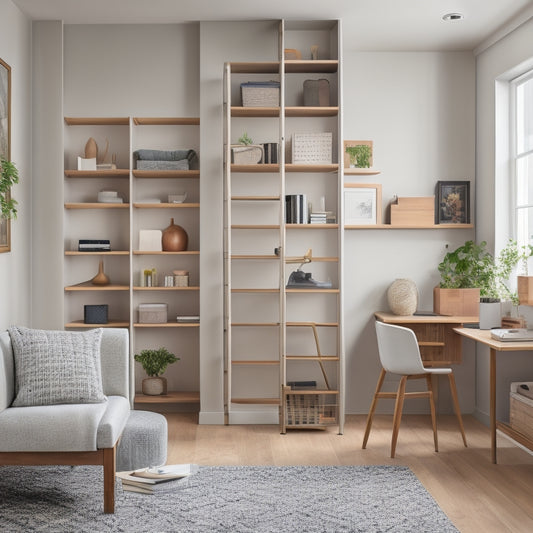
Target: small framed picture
[
  {"x": 358, "y": 154},
  {"x": 452, "y": 200},
  {"x": 362, "y": 204}
]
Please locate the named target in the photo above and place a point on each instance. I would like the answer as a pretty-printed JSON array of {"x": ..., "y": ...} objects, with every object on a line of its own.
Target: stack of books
[
  {"x": 157, "y": 480},
  {"x": 94, "y": 245},
  {"x": 322, "y": 217}
]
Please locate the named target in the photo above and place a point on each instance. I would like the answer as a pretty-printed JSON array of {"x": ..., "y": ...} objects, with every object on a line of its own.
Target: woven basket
[{"x": 403, "y": 297}]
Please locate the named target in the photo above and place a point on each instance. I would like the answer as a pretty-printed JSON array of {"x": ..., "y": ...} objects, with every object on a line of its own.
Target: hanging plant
[{"x": 8, "y": 177}]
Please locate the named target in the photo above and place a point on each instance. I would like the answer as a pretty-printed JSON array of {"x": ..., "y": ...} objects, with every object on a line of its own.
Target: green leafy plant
[
  {"x": 245, "y": 139},
  {"x": 8, "y": 177},
  {"x": 359, "y": 155},
  {"x": 155, "y": 362}
]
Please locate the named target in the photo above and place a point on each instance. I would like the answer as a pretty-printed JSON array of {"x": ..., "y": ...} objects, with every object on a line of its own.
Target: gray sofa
[{"x": 69, "y": 434}]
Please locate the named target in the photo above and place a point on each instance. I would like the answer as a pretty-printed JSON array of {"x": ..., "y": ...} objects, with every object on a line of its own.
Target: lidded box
[
  {"x": 153, "y": 313},
  {"x": 260, "y": 94}
]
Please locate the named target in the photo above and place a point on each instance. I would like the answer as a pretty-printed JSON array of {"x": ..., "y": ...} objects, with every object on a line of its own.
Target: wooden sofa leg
[{"x": 109, "y": 480}]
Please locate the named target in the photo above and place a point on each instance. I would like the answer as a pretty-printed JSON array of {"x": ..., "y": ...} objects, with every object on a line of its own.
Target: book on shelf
[
  {"x": 187, "y": 319},
  {"x": 270, "y": 151},
  {"x": 302, "y": 385},
  {"x": 94, "y": 245},
  {"x": 296, "y": 209}
]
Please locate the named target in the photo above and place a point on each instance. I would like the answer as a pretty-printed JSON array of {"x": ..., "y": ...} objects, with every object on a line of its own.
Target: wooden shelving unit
[
  {"x": 250, "y": 220},
  {"x": 401, "y": 226},
  {"x": 120, "y": 223}
]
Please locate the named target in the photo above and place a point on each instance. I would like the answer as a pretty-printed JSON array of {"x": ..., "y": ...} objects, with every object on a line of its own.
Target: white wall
[
  {"x": 419, "y": 109},
  {"x": 497, "y": 64},
  {"x": 15, "y": 266}
]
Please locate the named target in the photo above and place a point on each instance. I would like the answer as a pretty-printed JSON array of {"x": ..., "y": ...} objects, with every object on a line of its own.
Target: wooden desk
[
  {"x": 439, "y": 344},
  {"x": 483, "y": 336}
]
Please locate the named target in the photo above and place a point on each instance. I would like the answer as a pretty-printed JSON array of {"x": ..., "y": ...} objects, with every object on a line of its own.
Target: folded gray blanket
[
  {"x": 163, "y": 165},
  {"x": 164, "y": 155}
]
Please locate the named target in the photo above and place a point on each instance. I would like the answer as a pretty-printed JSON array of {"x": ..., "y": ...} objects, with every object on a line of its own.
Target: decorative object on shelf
[
  {"x": 153, "y": 313},
  {"x": 101, "y": 278},
  {"x": 296, "y": 209},
  {"x": 316, "y": 93},
  {"x": 292, "y": 53},
  {"x": 270, "y": 153},
  {"x": 362, "y": 204},
  {"x": 177, "y": 198},
  {"x": 154, "y": 363},
  {"x": 246, "y": 153},
  {"x": 312, "y": 148},
  {"x": 181, "y": 278},
  {"x": 358, "y": 154},
  {"x": 260, "y": 94},
  {"x": 245, "y": 139},
  {"x": 314, "y": 52},
  {"x": 95, "y": 314},
  {"x": 8, "y": 172},
  {"x": 149, "y": 277},
  {"x": 86, "y": 164},
  {"x": 299, "y": 279},
  {"x": 146, "y": 159},
  {"x": 150, "y": 240},
  {"x": 413, "y": 211},
  {"x": 402, "y": 296},
  {"x": 452, "y": 202},
  {"x": 91, "y": 149},
  {"x": 175, "y": 238},
  {"x": 109, "y": 197}
]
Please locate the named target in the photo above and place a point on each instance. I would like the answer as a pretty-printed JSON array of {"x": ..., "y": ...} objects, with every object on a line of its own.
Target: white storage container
[{"x": 312, "y": 148}]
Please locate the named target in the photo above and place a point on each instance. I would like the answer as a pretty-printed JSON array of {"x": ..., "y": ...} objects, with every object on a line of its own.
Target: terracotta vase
[
  {"x": 174, "y": 238},
  {"x": 101, "y": 278},
  {"x": 154, "y": 386}
]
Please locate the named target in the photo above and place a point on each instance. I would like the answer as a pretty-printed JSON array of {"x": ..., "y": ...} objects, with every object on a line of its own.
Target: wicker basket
[
  {"x": 260, "y": 94},
  {"x": 403, "y": 297},
  {"x": 521, "y": 410},
  {"x": 309, "y": 410}
]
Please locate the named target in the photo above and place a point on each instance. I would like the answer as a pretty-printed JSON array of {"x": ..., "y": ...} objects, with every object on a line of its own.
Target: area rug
[{"x": 239, "y": 499}]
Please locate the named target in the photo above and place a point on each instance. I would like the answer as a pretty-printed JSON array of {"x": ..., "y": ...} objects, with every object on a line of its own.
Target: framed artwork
[
  {"x": 452, "y": 200},
  {"x": 5, "y": 137},
  {"x": 362, "y": 204},
  {"x": 358, "y": 154}
]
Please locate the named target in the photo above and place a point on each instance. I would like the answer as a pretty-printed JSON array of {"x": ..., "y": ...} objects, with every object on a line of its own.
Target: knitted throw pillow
[{"x": 55, "y": 367}]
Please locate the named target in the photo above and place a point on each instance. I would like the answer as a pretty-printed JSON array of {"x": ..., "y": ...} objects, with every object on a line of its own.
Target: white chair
[{"x": 399, "y": 354}]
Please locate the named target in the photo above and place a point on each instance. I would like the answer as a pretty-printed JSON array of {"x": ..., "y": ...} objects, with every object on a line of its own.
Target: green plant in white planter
[
  {"x": 8, "y": 177},
  {"x": 154, "y": 363}
]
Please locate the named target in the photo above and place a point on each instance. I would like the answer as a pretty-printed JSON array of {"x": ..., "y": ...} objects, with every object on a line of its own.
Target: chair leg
[
  {"x": 373, "y": 407},
  {"x": 109, "y": 480},
  {"x": 456, "y": 407},
  {"x": 398, "y": 408},
  {"x": 432, "y": 409}
]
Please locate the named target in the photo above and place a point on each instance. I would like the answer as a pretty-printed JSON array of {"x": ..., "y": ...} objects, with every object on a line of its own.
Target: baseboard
[
  {"x": 254, "y": 417},
  {"x": 484, "y": 418},
  {"x": 211, "y": 418}
]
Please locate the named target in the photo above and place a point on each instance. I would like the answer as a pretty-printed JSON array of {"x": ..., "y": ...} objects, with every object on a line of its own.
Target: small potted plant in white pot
[{"x": 154, "y": 363}]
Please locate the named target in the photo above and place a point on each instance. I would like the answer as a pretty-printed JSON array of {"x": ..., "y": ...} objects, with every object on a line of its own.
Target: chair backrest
[
  {"x": 7, "y": 371},
  {"x": 398, "y": 349}
]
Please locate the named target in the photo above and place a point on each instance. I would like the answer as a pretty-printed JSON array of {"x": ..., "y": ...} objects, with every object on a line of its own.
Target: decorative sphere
[
  {"x": 403, "y": 297},
  {"x": 175, "y": 238}
]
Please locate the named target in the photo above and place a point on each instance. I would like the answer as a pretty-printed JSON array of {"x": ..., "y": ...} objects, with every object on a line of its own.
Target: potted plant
[
  {"x": 466, "y": 274},
  {"x": 154, "y": 363},
  {"x": 359, "y": 155},
  {"x": 8, "y": 177}
]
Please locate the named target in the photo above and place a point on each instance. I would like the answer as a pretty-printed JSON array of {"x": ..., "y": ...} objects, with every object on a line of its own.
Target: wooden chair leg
[
  {"x": 109, "y": 480},
  {"x": 398, "y": 408},
  {"x": 456, "y": 407},
  {"x": 373, "y": 407},
  {"x": 432, "y": 410}
]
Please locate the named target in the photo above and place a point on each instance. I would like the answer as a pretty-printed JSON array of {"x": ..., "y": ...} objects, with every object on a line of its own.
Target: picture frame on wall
[
  {"x": 358, "y": 154},
  {"x": 362, "y": 204},
  {"x": 5, "y": 139},
  {"x": 452, "y": 199}
]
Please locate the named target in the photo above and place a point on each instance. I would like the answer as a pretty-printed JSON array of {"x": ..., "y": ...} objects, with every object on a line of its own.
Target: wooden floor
[{"x": 476, "y": 495}]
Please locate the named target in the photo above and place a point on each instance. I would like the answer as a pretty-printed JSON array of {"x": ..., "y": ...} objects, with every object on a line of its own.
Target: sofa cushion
[
  {"x": 56, "y": 367},
  {"x": 63, "y": 428}
]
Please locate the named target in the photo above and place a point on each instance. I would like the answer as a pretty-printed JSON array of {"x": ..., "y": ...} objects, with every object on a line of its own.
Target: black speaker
[{"x": 95, "y": 314}]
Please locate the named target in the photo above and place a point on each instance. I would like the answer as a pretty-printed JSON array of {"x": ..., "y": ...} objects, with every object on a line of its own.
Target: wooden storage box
[
  {"x": 312, "y": 148},
  {"x": 521, "y": 410},
  {"x": 525, "y": 289},
  {"x": 413, "y": 211},
  {"x": 456, "y": 302},
  {"x": 153, "y": 313},
  {"x": 260, "y": 94}
]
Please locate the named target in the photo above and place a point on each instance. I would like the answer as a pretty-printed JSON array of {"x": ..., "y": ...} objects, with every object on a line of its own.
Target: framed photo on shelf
[
  {"x": 358, "y": 154},
  {"x": 452, "y": 200},
  {"x": 5, "y": 134},
  {"x": 362, "y": 204}
]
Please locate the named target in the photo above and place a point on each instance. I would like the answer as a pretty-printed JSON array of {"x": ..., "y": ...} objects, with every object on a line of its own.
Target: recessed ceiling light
[{"x": 453, "y": 16}]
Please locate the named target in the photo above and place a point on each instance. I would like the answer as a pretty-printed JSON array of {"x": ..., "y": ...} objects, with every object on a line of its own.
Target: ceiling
[{"x": 376, "y": 25}]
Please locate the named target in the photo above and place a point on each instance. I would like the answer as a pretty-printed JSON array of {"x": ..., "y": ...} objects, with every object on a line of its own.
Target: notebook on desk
[{"x": 509, "y": 335}]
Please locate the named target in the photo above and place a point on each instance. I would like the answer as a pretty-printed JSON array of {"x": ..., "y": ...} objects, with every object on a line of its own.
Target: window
[{"x": 522, "y": 156}]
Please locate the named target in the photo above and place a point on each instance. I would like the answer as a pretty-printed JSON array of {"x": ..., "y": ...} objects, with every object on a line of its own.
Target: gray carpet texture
[{"x": 236, "y": 499}]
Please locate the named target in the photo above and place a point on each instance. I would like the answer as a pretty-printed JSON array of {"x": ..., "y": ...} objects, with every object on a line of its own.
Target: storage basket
[
  {"x": 312, "y": 148},
  {"x": 260, "y": 94},
  {"x": 250, "y": 154},
  {"x": 181, "y": 278},
  {"x": 153, "y": 313},
  {"x": 309, "y": 409},
  {"x": 521, "y": 410}
]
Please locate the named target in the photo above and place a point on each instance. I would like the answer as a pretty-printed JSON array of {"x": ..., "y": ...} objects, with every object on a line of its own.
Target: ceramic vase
[
  {"x": 174, "y": 238},
  {"x": 101, "y": 278}
]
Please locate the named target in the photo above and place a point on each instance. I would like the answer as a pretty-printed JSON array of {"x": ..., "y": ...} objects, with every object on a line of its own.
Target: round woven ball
[{"x": 403, "y": 297}]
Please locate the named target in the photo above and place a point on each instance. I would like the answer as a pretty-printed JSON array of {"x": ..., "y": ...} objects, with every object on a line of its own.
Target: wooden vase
[
  {"x": 101, "y": 278},
  {"x": 175, "y": 238}
]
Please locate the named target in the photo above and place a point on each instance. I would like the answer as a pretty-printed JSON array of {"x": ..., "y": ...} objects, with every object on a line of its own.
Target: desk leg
[{"x": 493, "y": 405}]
